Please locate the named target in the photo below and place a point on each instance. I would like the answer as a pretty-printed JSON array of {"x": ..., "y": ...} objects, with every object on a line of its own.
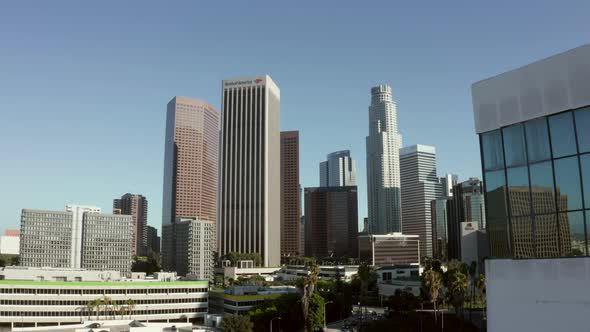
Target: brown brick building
[
  {"x": 331, "y": 221},
  {"x": 290, "y": 200}
]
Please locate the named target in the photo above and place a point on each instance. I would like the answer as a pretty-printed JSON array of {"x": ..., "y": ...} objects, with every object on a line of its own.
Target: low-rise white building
[
  {"x": 9, "y": 244},
  {"x": 240, "y": 299},
  {"x": 31, "y": 297}
]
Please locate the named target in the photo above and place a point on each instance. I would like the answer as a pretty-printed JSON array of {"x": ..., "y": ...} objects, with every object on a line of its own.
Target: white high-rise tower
[
  {"x": 383, "y": 176},
  {"x": 249, "y": 218}
]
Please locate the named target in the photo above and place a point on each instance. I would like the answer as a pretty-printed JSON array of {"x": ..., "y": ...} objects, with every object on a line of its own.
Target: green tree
[
  {"x": 402, "y": 301},
  {"x": 236, "y": 323},
  {"x": 457, "y": 285},
  {"x": 432, "y": 282},
  {"x": 480, "y": 284},
  {"x": 309, "y": 285},
  {"x": 315, "y": 318}
]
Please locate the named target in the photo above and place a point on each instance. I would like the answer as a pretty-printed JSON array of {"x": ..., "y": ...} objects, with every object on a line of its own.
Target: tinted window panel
[
  {"x": 563, "y": 139},
  {"x": 537, "y": 136},
  {"x": 522, "y": 232},
  {"x": 496, "y": 195},
  {"x": 542, "y": 190},
  {"x": 583, "y": 128},
  {"x": 493, "y": 156},
  {"x": 574, "y": 237},
  {"x": 546, "y": 236},
  {"x": 585, "y": 162},
  {"x": 567, "y": 181},
  {"x": 518, "y": 184},
  {"x": 514, "y": 145}
]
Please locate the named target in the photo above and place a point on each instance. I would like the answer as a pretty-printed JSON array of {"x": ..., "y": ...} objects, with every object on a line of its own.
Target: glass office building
[{"x": 537, "y": 186}]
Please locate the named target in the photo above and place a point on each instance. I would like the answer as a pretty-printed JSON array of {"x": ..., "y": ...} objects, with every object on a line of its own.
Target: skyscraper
[
  {"x": 250, "y": 170},
  {"x": 136, "y": 206},
  {"x": 338, "y": 170},
  {"x": 290, "y": 201},
  {"x": 383, "y": 170},
  {"x": 466, "y": 205},
  {"x": 190, "y": 168},
  {"x": 419, "y": 186},
  {"x": 153, "y": 240},
  {"x": 331, "y": 221}
]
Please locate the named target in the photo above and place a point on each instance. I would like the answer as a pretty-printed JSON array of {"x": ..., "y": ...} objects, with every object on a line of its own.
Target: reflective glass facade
[{"x": 537, "y": 179}]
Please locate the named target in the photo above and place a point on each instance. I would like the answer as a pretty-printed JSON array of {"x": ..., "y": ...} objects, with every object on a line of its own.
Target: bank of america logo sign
[{"x": 258, "y": 80}]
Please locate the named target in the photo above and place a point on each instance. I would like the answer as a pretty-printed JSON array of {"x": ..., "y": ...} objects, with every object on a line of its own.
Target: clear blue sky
[{"x": 84, "y": 85}]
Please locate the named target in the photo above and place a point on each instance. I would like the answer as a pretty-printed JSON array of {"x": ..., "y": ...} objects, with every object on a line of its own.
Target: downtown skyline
[{"x": 88, "y": 157}]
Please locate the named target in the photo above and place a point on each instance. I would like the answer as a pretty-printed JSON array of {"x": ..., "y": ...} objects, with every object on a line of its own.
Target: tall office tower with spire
[
  {"x": 339, "y": 170},
  {"x": 250, "y": 170},
  {"x": 136, "y": 206},
  {"x": 383, "y": 172},
  {"x": 190, "y": 170},
  {"x": 419, "y": 187}
]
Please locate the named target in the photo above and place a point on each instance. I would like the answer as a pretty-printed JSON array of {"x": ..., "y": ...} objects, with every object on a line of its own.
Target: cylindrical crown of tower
[{"x": 381, "y": 93}]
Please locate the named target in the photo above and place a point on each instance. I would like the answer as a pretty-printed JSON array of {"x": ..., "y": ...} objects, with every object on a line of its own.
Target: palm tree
[
  {"x": 480, "y": 283},
  {"x": 472, "y": 271},
  {"x": 108, "y": 306},
  {"x": 308, "y": 289},
  {"x": 458, "y": 285},
  {"x": 432, "y": 283},
  {"x": 115, "y": 307},
  {"x": 130, "y": 306}
]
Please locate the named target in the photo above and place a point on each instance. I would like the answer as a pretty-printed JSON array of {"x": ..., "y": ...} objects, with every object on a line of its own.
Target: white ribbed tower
[{"x": 383, "y": 175}]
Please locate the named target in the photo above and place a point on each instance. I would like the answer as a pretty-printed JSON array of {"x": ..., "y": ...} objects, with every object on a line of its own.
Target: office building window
[
  {"x": 514, "y": 145},
  {"x": 563, "y": 139},
  {"x": 583, "y": 129},
  {"x": 567, "y": 180},
  {"x": 537, "y": 135},
  {"x": 493, "y": 157}
]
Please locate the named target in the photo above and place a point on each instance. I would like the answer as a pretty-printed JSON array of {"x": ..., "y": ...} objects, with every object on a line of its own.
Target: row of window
[
  {"x": 84, "y": 303},
  {"x": 537, "y": 178},
  {"x": 536, "y": 140},
  {"x": 83, "y": 313},
  {"x": 109, "y": 291}
]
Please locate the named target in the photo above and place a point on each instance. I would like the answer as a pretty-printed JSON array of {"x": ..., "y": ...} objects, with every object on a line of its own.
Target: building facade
[
  {"x": 10, "y": 242},
  {"x": 389, "y": 249},
  {"x": 420, "y": 186},
  {"x": 107, "y": 242},
  {"x": 190, "y": 168},
  {"x": 50, "y": 239},
  {"x": 533, "y": 125},
  {"x": 331, "y": 222},
  {"x": 290, "y": 192},
  {"x": 250, "y": 170},
  {"x": 467, "y": 205},
  {"x": 194, "y": 254},
  {"x": 440, "y": 232},
  {"x": 153, "y": 241},
  {"x": 136, "y": 206},
  {"x": 27, "y": 301},
  {"x": 383, "y": 168},
  {"x": 339, "y": 170}
]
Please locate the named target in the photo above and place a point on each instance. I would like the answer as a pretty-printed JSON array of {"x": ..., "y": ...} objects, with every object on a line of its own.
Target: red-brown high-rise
[
  {"x": 136, "y": 206},
  {"x": 290, "y": 200},
  {"x": 190, "y": 168}
]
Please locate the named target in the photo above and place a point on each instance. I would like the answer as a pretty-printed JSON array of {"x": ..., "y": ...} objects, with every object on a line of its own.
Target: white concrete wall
[
  {"x": 9, "y": 245},
  {"x": 545, "y": 87},
  {"x": 538, "y": 294}
]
